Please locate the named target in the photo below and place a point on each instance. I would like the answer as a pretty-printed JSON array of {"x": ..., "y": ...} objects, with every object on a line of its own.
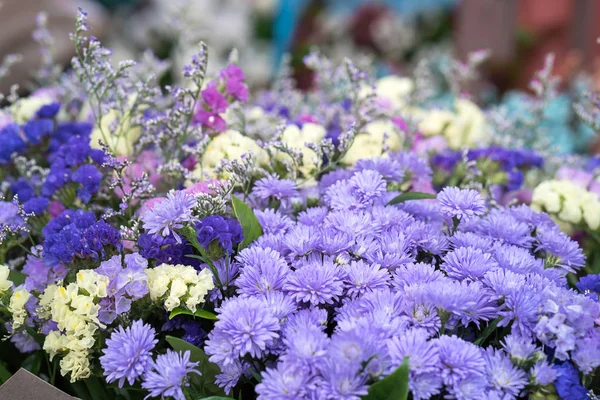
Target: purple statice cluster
[
  {"x": 128, "y": 357},
  {"x": 217, "y": 97},
  {"x": 75, "y": 235},
  {"x": 333, "y": 299},
  {"x": 126, "y": 285},
  {"x": 16, "y": 138},
  {"x": 64, "y": 148},
  {"x": 226, "y": 231},
  {"x": 508, "y": 164}
]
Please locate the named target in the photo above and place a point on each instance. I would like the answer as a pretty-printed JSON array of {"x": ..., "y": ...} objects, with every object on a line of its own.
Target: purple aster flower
[
  {"x": 169, "y": 214},
  {"x": 89, "y": 178},
  {"x": 568, "y": 385},
  {"x": 273, "y": 222},
  {"x": 367, "y": 185},
  {"x": 500, "y": 224},
  {"x": 245, "y": 326},
  {"x": 306, "y": 348},
  {"x": 415, "y": 274},
  {"x": 301, "y": 319},
  {"x": 302, "y": 240},
  {"x": 341, "y": 381},
  {"x": 330, "y": 178},
  {"x": 169, "y": 374},
  {"x": 415, "y": 344},
  {"x": 280, "y": 304},
  {"x": 460, "y": 360},
  {"x": 357, "y": 223},
  {"x": 543, "y": 374},
  {"x": 313, "y": 216},
  {"x": 393, "y": 250},
  {"x": 230, "y": 376},
  {"x": 468, "y": 263},
  {"x": 361, "y": 277},
  {"x": 315, "y": 283},
  {"x": 272, "y": 188},
  {"x": 520, "y": 348},
  {"x": 391, "y": 218},
  {"x": 469, "y": 302},
  {"x": 285, "y": 382},
  {"x": 470, "y": 239},
  {"x": 463, "y": 204},
  {"x": 503, "y": 376},
  {"x": 263, "y": 271},
  {"x": 517, "y": 259},
  {"x": 559, "y": 249},
  {"x": 340, "y": 196},
  {"x": 128, "y": 353},
  {"x": 359, "y": 347},
  {"x": 388, "y": 168},
  {"x": 226, "y": 230}
]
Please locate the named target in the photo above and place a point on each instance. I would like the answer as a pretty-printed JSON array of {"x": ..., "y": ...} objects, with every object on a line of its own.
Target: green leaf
[
  {"x": 18, "y": 278},
  {"x": 250, "y": 225},
  {"x": 392, "y": 387},
  {"x": 204, "y": 384},
  {"x": 199, "y": 313},
  {"x": 4, "y": 373},
  {"x": 33, "y": 362},
  {"x": 410, "y": 196},
  {"x": 488, "y": 331}
]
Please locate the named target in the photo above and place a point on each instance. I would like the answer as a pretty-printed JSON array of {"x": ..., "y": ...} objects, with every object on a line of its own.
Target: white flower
[
  {"x": 25, "y": 108},
  {"x": 372, "y": 141},
  {"x": 17, "y": 306},
  {"x": 297, "y": 139},
  {"x": 173, "y": 285},
  {"x": 5, "y": 283},
  {"x": 568, "y": 202}
]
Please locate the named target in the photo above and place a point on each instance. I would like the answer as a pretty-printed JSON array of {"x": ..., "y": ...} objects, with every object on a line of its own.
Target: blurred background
[{"x": 393, "y": 35}]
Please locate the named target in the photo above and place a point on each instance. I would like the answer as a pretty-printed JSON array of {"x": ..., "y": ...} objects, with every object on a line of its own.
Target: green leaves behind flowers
[
  {"x": 250, "y": 225},
  {"x": 392, "y": 387},
  {"x": 200, "y": 313},
  {"x": 204, "y": 385},
  {"x": 410, "y": 196}
]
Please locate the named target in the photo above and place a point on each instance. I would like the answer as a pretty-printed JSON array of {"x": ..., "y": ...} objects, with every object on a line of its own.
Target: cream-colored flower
[
  {"x": 466, "y": 127},
  {"x": 17, "y": 306},
  {"x": 5, "y": 283},
  {"x": 25, "y": 108},
  {"x": 120, "y": 140},
  {"x": 568, "y": 202},
  {"x": 230, "y": 145},
  {"x": 297, "y": 139},
  {"x": 92, "y": 282},
  {"x": 394, "y": 89},
  {"x": 372, "y": 141},
  {"x": 172, "y": 285}
]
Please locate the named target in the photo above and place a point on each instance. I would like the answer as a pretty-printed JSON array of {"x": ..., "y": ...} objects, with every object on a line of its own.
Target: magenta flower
[{"x": 213, "y": 104}]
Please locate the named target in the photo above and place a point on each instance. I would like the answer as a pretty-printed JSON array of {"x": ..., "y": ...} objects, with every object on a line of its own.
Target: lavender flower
[
  {"x": 315, "y": 283},
  {"x": 463, "y": 204},
  {"x": 169, "y": 374},
  {"x": 128, "y": 353}
]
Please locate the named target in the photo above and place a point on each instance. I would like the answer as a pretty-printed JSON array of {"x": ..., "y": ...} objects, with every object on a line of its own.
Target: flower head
[
  {"x": 128, "y": 353},
  {"x": 461, "y": 203},
  {"x": 169, "y": 214},
  {"x": 169, "y": 374}
]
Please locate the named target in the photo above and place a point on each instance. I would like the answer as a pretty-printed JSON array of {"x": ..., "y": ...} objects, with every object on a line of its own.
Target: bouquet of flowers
[{"x": 357, "y": 241}]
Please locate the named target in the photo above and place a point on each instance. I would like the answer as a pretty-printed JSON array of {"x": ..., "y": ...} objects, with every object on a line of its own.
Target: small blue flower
[{"x": 169, "y": 375}]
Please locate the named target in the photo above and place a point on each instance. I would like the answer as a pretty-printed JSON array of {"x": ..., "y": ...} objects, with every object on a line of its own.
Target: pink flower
[
  {"x": 147, "y": 162},
  {"x": 150, "y": 204},
  {"x": 575, "y": 175},
  {"x": 434, "y": 144},
  {"x": 55, "y": 208},
  {"x": 213, "y": 104},
  {"x": 202, "y": 187}
]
